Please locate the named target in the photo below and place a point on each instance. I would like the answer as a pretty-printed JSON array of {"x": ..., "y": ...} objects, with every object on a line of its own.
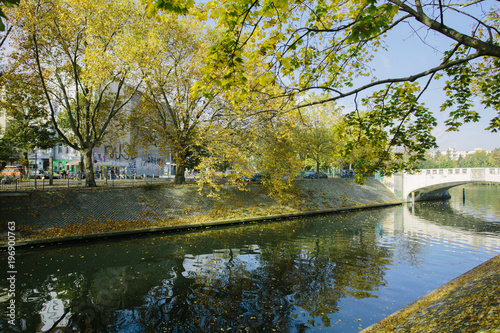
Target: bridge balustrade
[{"x": 427, "y": 183}]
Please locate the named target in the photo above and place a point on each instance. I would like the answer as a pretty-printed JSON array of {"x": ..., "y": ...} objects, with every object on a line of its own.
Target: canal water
[{"x": 329, "y": 273}]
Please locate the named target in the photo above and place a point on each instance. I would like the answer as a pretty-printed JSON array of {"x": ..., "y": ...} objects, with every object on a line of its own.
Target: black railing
[{"x": 25, "y": 185}]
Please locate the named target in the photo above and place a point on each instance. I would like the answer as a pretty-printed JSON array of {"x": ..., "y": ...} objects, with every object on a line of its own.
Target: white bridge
[{"x": 429, "y": 184}]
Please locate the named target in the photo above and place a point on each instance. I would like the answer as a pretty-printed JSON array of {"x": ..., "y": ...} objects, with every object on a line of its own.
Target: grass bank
[{"x": 76, "y": 214}]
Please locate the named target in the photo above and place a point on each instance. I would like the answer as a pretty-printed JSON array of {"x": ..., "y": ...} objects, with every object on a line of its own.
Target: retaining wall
[{"x": 59, "y": 208}]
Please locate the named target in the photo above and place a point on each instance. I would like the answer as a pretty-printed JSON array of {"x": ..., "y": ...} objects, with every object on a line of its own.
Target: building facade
[
  {"x": 64, "y": 159},
  {"x": 111, "y": 155}
]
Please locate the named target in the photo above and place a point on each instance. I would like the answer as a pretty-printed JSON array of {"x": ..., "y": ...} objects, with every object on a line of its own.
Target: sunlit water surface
[{"x": 330, "y": 273}]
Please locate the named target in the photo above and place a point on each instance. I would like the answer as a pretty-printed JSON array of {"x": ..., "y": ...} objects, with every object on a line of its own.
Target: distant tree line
[{"x": 480, "y": 159}]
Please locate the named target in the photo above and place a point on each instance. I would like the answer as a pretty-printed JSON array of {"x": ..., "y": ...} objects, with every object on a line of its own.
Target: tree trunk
[
  {"x": 180, "y": 160},
  {"x": 89, "y": 167},
  {"x": 179, "y": 174},
  {"x": 317, "y": 169}
]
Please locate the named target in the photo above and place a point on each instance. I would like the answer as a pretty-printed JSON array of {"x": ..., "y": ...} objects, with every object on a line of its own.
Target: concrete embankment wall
[{"x": 163, "y": 203}]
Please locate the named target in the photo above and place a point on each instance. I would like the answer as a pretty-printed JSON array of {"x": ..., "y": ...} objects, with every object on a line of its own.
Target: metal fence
[{"x": 26, "y": 185}]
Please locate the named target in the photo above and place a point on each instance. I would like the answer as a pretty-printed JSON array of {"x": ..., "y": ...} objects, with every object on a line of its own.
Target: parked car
[
  {"x": 347, "y": 173},
  {"x": 74, "y": 174},
  {"x": 13, "y": 171},
  {"x": 258, "y": 177},
  {"x": 314, "y": 175},
  {"x": 38, "y": 174},
  {"x": 7, "y": 180}
]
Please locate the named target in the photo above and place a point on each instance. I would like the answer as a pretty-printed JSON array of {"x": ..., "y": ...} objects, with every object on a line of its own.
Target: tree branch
[
  {"x": 486, "y": 49},
  {"x": 395, "y": 80},
  {"x": 46, "y": 91}
]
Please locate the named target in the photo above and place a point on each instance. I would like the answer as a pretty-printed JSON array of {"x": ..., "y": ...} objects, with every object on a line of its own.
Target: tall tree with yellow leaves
[
  {"x": 173, "y": 115},
  {"x": 79, "y": 50}
]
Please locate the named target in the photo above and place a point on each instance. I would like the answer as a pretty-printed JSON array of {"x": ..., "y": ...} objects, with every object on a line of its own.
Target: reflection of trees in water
[
  {"x": 408, "y": 246},
  {"x": 290, "y": 275},
  {"x": 228, "y": 297},
  {"x": 479, "y": 197},
  {"x": 40, "y": 301},
  {"x": 339, "y": 267},
  {"x": 86, "y": 318},
  {"x": 297, "y": 266},
  {"x": 443, "y": 214}
]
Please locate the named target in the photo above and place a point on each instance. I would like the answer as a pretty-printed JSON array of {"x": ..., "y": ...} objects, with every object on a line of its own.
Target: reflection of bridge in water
[{"x": 431, "y": 184}]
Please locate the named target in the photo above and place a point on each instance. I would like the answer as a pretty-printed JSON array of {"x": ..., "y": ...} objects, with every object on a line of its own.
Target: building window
[{"x": 59, "y": 149}]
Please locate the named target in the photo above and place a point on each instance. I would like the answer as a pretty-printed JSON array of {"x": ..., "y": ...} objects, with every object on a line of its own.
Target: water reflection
[
  {"x": 434, "y": 211},
  {"x": 481, "y": 201},
  {"x": 332, "y": 272}
]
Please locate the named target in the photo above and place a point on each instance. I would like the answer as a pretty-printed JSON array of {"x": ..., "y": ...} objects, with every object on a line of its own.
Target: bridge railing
[{"x": 475, "y": 173}]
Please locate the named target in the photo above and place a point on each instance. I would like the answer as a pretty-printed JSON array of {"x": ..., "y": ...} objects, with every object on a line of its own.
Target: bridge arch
[{"x": 433, "y": 184}]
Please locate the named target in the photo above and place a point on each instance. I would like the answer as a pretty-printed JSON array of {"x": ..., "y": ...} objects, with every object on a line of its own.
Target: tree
[
  {"x": 366, "y": 145},
  {"x": 479, "y": 159},
  {"x": 78, "y": 50},
  {"x": 6, "y": 151},
  {"x": 316, "y": 134},
  {"x": 277, "y": 155},
  {"x": 495, "y": 158},
  {"x": 29, "y": 126},
  {"x": 327, "y": 46},
  {"x": 444, "y": 162},
  {"x": 5, "y": 29},
  {"x": 172, "y": 115},
  {"x": 245, "y": 141}
]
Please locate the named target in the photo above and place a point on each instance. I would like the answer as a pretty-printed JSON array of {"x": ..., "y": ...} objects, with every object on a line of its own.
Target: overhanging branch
[
  {"x": 485, "y": 48},
  {"x": 386, "y": 81}
]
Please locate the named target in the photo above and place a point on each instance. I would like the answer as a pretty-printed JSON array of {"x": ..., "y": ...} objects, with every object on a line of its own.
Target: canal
[{"x": 329, "y": 273}]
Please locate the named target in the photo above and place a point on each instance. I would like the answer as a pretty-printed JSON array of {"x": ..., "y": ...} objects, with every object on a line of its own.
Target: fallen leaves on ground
[{"x": 219, "y": 213}]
